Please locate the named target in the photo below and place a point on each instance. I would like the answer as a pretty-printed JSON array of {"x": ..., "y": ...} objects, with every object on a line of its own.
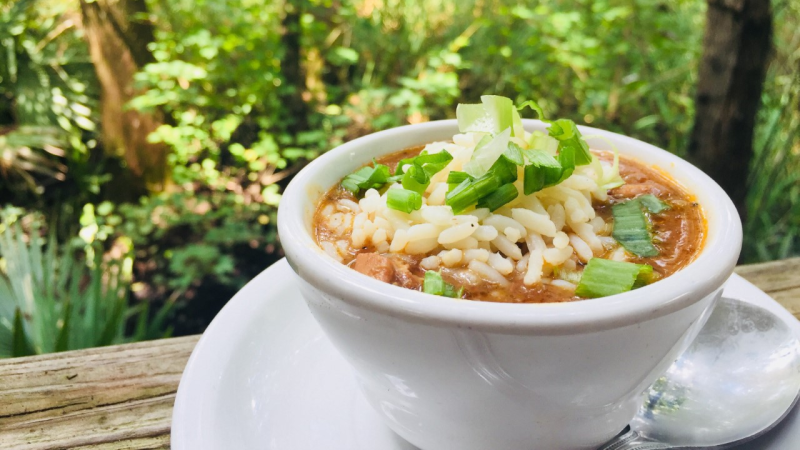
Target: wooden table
[{"x": 121, "y": 397}]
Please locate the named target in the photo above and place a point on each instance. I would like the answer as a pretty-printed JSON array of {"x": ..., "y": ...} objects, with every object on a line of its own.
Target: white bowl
[{"x": 455, "y": 374}]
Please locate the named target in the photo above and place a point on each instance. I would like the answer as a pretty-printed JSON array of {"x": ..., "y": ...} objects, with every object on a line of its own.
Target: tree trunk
[
  {"x": 292, "y": 69},
  {"x": 736, "y": 47},
  {"x": 118, "y": 48}
]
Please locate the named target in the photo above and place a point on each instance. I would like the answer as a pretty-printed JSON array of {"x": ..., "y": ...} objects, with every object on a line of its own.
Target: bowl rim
[{"x": 702, "y": 277}]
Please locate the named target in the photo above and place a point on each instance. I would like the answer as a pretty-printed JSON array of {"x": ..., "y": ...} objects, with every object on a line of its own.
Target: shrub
[{"x": 53, "y": 299}]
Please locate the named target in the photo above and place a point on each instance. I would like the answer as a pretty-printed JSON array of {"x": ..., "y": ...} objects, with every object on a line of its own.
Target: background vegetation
[{"x": 144, "y": 144}]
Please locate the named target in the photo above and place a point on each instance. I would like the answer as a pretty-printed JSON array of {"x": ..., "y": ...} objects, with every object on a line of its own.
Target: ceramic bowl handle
[{"x": 630, "y": 440}]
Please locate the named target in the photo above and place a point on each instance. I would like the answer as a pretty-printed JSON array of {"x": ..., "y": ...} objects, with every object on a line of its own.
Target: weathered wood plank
[
  {"x": 121, "y": 398},
  {"x": 117, "y": 397},
  {"x": 155, "y": 443},
  {"x": 779, "y": 279}
]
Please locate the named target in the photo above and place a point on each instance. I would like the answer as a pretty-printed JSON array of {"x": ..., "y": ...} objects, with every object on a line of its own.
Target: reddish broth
[{"x": 678, "y": 234}]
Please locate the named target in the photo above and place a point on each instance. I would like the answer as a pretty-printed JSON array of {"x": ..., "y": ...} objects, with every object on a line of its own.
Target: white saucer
[{"x": 263, "y": 376}]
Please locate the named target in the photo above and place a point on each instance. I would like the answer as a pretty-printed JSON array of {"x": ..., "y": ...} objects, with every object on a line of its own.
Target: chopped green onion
[
  {"x": 532, "y": 105},
  {"x": 505, "y": 170},
  {"x": 455, "y": 178},
  {"x": 472, "y": 117},
  {"x": 630, "y": 229},
  {"x": 433, "y": 158},
  {"x": 566, "y": 132},
  {"x": 499, "y": 110},
  {"x": 417, "y": 176},
  {"x": 465, "y": 191},
  {"x": 500, "y": 197},
  {"x": 541, "y": 141},
  {"x": 538, "y": 178},
  {"x": 401, "y": 166},
  {"x": 514, "y": 154},
  {"x": 414, "y": 173},
  {"x": 434, "y": 163},
  {"x": 495, "y": 158},
  {"x": 540, "y": 158},
  {"x": 603, "y": 277},
  {"x": 483, "y": 157},
  {"x": 646, "y": 276},
  {"x": 486, "y": 185},
  {"x": 434, "y": 284},
  {"x": 459, "y": 197},
  {"x": 573, "y": 276},
  {"x": 652, "y": 203},
  {"x": 452, "y": 292},
  {"x": 609, "y": 176},
  {"x": 469, "y": 191},
  {"x": 493, "y": 115},
  {"x": 517, "y": 129},
  {"x": 403, "y": 200},
  {"x": 541, "y": 171},
  {"x": 566, "y": 157},
  {"x": 366, "y": 178},
  {"x": 416, "y": 179},
  {"x": 534, "y": 179}
]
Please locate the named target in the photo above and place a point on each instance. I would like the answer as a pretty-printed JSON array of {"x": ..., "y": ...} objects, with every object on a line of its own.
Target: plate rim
[
  {"x": 182, "y": 412},
  {"x": 186, "y": 417}
]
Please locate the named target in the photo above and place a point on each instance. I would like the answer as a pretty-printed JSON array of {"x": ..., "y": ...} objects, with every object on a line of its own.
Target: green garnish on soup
[{"x": 511, "y": 214}]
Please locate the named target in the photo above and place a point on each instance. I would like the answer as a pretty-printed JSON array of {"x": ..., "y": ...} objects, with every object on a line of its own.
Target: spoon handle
[{"x": 631, "y": 440}]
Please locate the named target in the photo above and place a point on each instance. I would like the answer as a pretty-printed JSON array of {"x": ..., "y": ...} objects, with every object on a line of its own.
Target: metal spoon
[{"x": 738, "y": 379}]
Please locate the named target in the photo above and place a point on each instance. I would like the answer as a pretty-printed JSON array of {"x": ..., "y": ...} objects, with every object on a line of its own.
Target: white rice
[
  {"x": 451, "y": 258},
  {"x": 477, "y": 254},
  {"x": 528, "y": 238}
]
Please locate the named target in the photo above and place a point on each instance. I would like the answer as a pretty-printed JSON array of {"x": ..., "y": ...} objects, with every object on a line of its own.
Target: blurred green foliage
[
  {"x": 53, "y": 299},
  {"x": 772, "y": 230},
  {"x": 48, "y": 102},
  {"x": 252, "y": 89}
]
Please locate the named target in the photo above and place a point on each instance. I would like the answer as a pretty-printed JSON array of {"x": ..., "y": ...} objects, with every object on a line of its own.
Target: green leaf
[
  {"x": 62, "y": 342},
  {"x": 112, "y": 327},
  {"x": 344, "y": 55},
  {"x": 21, "y": 345}
]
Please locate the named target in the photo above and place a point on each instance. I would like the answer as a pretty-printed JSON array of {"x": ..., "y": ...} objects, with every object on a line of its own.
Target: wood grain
[
  {"x": 779, "y": 279},
  {"x": 121, "y": 398},
  {"x": 117, "y": 397}
]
